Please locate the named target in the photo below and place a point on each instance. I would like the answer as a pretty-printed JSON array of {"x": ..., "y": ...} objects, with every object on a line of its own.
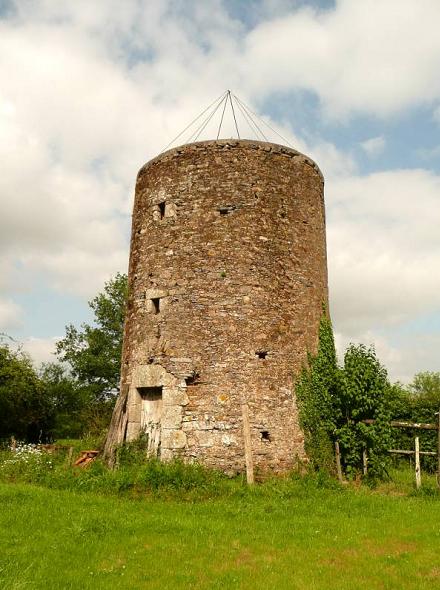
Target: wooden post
[
  {"x": 13, "y": 444},
  {"x": 417, "y": 457},
  {"x": 69, "y": 457},
  {"x": 438, "y": 448},
  {"x": 364, "y": 462},
  {"x": 338, "y": 462},
  {"x": 247, "y": 443}
]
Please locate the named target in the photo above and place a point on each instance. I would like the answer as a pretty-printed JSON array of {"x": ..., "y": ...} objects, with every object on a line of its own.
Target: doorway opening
[{"x": 151, "y": 417}]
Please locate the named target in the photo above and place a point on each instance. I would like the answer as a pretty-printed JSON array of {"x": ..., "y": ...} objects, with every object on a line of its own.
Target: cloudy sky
[{"x": 92, "y": 90}]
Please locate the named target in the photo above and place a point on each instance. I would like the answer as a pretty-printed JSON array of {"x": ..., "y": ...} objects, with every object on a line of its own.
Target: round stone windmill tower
[{"x": 227, "y": 281}]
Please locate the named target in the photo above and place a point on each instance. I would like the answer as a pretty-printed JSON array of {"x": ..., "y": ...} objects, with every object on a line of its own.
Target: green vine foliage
[
  {"x": 316, "y": 393},
  {"x": 333, "y": 402}
]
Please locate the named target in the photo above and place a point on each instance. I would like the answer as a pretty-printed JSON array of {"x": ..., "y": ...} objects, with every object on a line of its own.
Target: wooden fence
[{"x": 416, "y": 452}]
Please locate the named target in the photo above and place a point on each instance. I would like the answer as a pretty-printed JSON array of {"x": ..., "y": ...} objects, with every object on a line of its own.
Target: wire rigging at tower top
[{"x": 239, "y": 113}]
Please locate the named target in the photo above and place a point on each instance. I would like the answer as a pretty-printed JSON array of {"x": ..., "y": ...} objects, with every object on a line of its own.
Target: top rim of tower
[{"x": 267, "y": 146}]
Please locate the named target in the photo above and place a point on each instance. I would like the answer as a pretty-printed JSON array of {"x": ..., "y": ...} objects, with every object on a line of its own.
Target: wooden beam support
[
  {"x": 398, "y": 424},
  {"x": 247, "y": 444},
  {"x": 405, "y": 452}
]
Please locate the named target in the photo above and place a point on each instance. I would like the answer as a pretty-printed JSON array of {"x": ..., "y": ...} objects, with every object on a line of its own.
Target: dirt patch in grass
[
  {"x": 391, "y": 548},
  {"x": 434, "y": 574}
]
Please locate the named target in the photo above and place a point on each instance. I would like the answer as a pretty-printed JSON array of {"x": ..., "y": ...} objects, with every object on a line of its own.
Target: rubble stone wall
[{"x": 227, "y": 280}]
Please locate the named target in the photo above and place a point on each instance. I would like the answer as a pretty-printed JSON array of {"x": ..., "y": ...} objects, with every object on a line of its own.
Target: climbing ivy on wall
[
  {"x": 334, "y": 400},
  {"x": 316, "y": 393}
]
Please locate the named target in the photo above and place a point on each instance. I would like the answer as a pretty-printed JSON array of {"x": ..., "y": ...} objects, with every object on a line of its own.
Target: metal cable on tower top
[
  {"x": 211, "y": 126},
  {"x": 193, "y": 121}
]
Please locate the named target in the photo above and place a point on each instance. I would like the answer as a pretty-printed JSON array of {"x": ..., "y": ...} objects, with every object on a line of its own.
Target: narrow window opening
[
  {"x": 156, "y": 304},
  {"x": 193, "y": 379},
  {"x": 162, "y": 209},
  {"x": 265, "y": 435},
  {"x": 226, "y": 209},
  {"x": 261, "y": 354}
]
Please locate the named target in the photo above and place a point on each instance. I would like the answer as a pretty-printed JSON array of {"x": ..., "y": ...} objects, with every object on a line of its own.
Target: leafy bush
[
  {"x": 334, "y": 401},
  {"x": 364, "y": 393}
]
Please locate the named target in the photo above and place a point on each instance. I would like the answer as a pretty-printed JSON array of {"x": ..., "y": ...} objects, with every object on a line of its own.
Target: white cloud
[
  {"x": 376, "y": 57},
  {"x": 10, "y": 315},
  {"x": 41, "y": 350},
  {"x": 374, "y": 146},
  {"x": 383, "y": 248}
]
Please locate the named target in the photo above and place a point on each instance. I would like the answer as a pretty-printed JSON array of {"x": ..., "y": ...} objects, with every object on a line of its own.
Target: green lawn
[{"x": 307, "y": 538}]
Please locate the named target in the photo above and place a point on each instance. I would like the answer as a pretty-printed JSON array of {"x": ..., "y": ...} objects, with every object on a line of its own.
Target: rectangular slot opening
[
  {"x": 155, "y": 302},
  {"x": 226, "y": 209},
  {"x": 162, "y": 209}
]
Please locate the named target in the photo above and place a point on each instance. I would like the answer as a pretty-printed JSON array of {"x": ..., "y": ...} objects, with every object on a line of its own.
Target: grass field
[{"x": 295, "y": 536}]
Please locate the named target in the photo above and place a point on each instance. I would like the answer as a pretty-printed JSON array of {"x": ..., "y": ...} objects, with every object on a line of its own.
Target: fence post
[
  {"x": 364, "y": 461},
  {"x": 338, "y": 462},
  {"x": 417, "y": 458}
]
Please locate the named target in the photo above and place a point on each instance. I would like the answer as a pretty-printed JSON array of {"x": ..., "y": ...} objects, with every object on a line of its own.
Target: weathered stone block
[
  {"x": 173, "y": 439},
  {"x": 172, "y": 417}
]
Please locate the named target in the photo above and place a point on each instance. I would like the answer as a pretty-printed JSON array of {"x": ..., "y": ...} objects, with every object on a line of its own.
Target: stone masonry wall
[{"x": 227, "y": 280}]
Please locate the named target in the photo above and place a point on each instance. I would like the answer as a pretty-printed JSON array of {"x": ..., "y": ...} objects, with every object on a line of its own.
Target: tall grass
[{"x": 138, "y": 476}]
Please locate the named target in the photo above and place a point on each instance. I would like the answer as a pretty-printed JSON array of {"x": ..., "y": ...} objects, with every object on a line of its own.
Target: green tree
[
  {"x": 334, "y": 401},
  {"x": 24, "y": 408},
  {"x": 426, "y": 386},
  {"x": 66, "y": 402},
  {"x": 364, "y": 394},
  {"x": 94, "y": 351}
]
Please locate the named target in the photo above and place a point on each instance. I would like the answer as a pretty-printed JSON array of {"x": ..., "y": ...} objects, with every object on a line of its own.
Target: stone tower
[{"x": 227, "y": 281}]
